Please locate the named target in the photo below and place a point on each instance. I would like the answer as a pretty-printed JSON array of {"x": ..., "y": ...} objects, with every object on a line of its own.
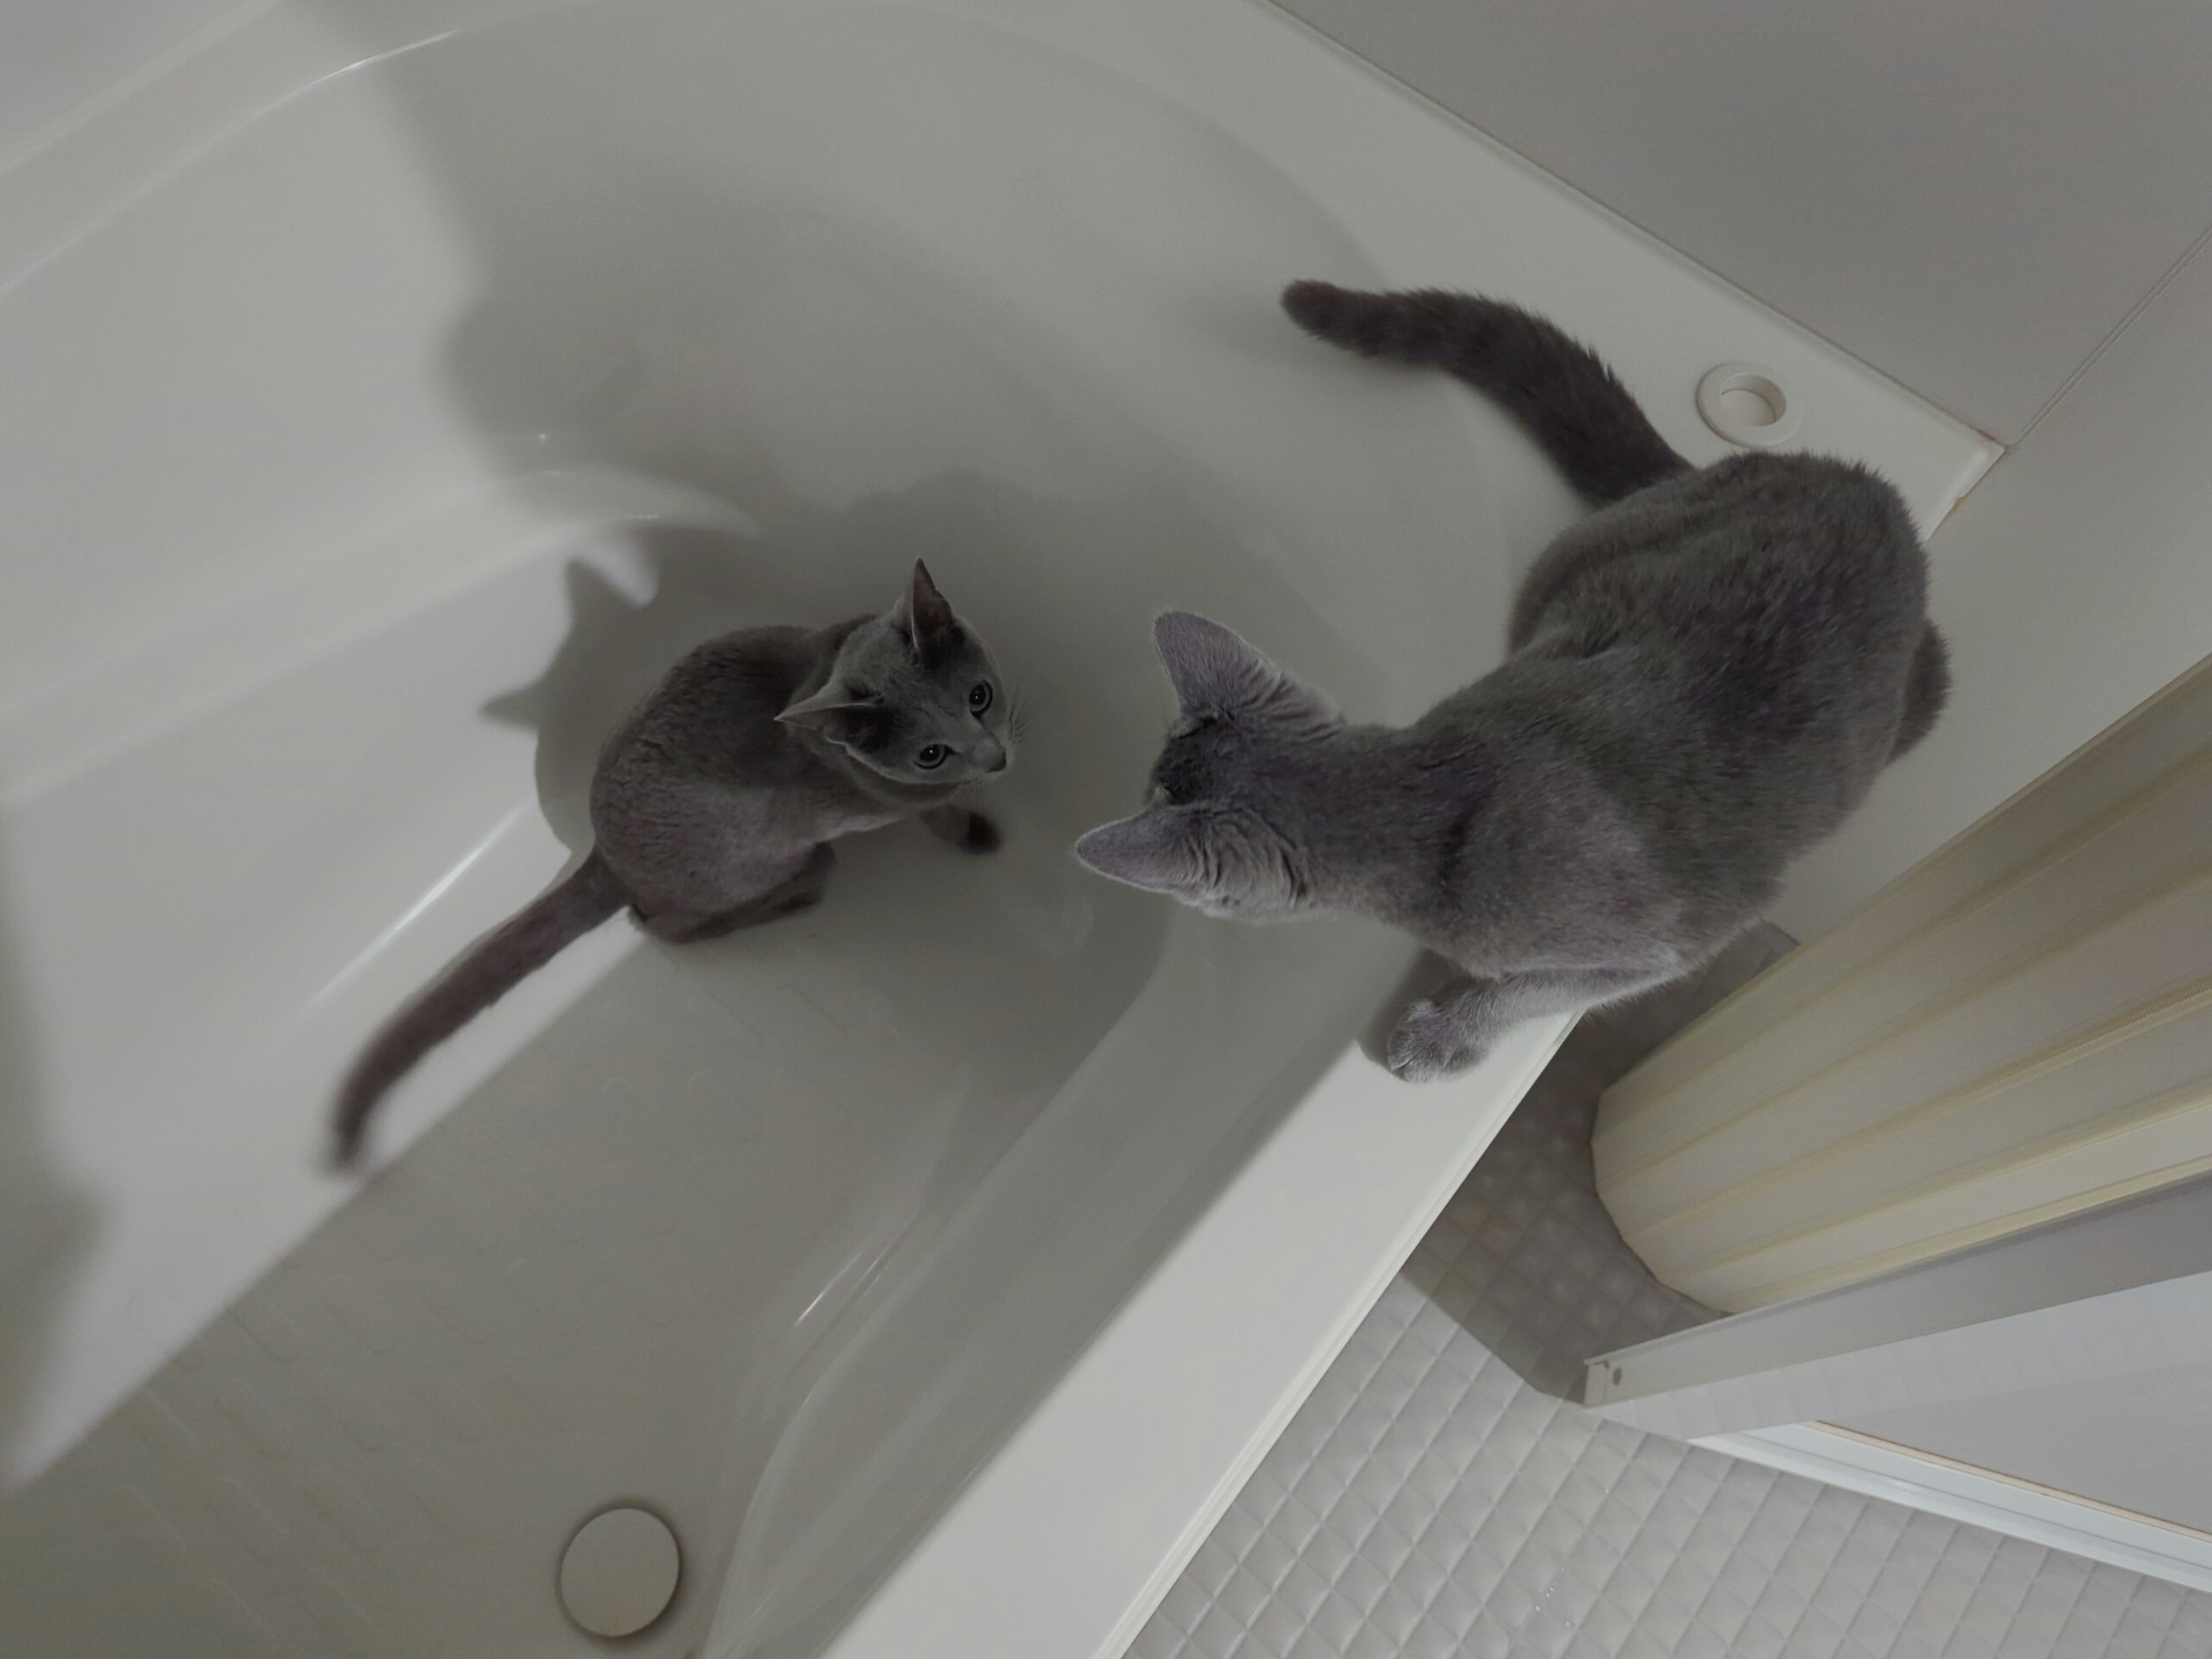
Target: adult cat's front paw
[{"x": 1431, "y": 1042}]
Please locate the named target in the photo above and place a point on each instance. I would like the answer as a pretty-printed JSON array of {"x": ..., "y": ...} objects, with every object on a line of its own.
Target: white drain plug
[{"x": 619, "y": 1571}]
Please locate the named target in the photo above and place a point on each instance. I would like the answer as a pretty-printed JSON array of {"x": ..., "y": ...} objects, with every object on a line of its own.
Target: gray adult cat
[
  {"x": 713, "y": 806},
  {"x": 1705, "y": 676}
]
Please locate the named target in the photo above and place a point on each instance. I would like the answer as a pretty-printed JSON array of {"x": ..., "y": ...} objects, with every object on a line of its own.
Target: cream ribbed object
[{"x": 2018, "y": 1027}]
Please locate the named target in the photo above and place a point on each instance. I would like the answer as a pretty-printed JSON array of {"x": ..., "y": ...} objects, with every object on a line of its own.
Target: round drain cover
[{"x": 619, "y": 1572}]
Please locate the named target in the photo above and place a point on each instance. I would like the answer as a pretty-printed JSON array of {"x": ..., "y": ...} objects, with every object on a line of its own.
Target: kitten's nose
[{"x": 993, "y": 757}]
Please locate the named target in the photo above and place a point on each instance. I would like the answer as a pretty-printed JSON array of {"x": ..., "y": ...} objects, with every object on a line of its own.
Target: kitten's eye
[
  {"x": 931, "y": 757},
  {"x": 980, "y": 698}
]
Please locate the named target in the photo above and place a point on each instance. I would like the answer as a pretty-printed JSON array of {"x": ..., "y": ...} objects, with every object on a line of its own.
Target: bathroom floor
[{"x": 1436, "y": 1496}]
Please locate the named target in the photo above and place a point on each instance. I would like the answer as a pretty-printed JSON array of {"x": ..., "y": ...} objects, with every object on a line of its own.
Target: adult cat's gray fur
[
  {"x": 1705, "y": 676},
  {"x": 713, "y": 806}
]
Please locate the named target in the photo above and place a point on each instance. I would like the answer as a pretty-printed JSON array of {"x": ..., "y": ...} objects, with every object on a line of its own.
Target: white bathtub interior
[{"x": 391, "y": 392}]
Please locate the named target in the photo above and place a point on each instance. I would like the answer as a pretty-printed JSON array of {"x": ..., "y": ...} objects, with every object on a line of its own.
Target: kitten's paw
[
  {"x": 981, "y": 835},
  {"x": 1430, "y": 1043}
]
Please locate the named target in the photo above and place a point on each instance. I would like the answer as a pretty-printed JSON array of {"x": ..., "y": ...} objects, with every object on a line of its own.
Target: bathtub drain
[{"x": 619, "y": 1571}]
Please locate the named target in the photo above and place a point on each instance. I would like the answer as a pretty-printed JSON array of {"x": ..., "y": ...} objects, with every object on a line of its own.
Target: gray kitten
[
  {"x": 1705, "y": 676},
  {"x": 713, "y": 806}
]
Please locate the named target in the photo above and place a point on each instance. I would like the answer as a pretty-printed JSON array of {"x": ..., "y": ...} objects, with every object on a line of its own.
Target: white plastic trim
[{"x": 1958, "y": 1491}]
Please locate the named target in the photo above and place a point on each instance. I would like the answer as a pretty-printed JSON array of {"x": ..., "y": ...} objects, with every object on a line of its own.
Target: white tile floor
[{"x": 1435, "y": 1497}]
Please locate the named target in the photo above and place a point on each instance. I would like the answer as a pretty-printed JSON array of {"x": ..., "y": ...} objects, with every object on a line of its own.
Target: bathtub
[{"x": 390, "y": 392}]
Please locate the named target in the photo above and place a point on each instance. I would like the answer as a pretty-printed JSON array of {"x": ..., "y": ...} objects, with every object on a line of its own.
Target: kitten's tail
[
  {"x": 1927, "y": 688},
  {"x": 1559, "y": 391},
  {"x": 490, "y": 969}
]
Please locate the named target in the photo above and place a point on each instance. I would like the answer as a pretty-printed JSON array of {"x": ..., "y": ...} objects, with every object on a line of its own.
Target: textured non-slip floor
[{"x": 1436, "y": 1497}]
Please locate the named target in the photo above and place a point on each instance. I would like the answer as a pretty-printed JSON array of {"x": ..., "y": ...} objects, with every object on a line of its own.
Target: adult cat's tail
[
  {"x": 1567, "y": 400},
  {"x": 490, "y": 969}
]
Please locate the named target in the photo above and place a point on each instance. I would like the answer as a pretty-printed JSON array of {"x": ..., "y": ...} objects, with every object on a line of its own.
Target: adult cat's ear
[
  {"x": 1213, "y": 671},
  {"x": 1155, "y": 850},
  {"x": 825, "y": 711},
  {"x": 923, "y": 615}
]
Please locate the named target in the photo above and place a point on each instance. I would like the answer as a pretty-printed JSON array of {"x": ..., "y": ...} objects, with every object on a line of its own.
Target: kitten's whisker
[{"x": 1021, "y": 709}]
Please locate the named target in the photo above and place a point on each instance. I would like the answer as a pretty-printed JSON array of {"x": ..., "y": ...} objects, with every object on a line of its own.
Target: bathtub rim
[{"x": 1382, "y": 1159}]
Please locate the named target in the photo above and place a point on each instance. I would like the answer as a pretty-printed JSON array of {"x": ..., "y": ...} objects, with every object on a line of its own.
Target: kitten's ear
[
  {"x": 1155, "y": 850},
  {"x": 922, "y": 613},
  {"x": 1213, "y": 671},
  {"x": 825, "y": 711}
]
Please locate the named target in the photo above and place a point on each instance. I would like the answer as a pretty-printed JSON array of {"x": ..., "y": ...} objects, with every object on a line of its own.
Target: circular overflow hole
[{"x": 1746, "y": 405}]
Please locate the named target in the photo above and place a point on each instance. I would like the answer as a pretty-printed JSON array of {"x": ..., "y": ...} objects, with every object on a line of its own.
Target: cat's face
[
  {"x": 1213, "y": 835},
  {"x": 915, "y": 696}
]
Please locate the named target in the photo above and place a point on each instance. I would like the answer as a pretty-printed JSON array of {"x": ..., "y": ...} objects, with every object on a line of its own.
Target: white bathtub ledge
[{"x": 1137, "y": 1451}]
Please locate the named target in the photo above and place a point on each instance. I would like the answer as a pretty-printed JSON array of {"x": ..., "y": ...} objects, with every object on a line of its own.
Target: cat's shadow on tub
[
  {"x": 617, "y": 647},
  {"x": 1044, "y": 581}
]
